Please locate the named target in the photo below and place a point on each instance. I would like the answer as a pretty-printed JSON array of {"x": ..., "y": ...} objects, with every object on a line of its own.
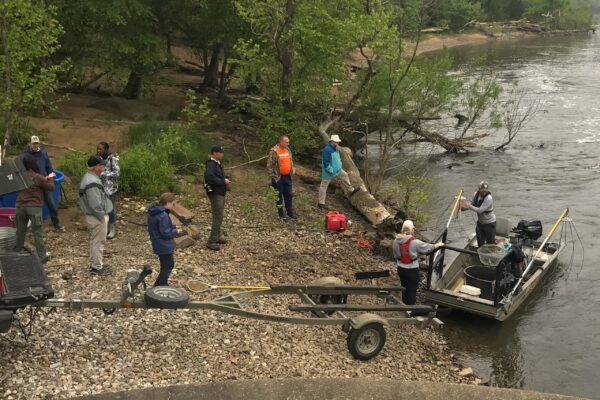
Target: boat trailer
[{"x": 325, "y": 300}]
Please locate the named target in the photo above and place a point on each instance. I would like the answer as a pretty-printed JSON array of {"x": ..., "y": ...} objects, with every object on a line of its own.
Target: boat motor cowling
[{"x": 529, "y": 229}]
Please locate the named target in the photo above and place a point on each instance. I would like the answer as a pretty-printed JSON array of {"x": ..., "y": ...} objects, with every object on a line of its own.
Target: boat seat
[{"x": 503, "y": 226}]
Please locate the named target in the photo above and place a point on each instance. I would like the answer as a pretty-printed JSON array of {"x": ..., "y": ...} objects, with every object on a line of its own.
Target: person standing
[
  {"x": 96, "y": 206},
  {"x": 35, "y": 149},
  {"x": 162, "y": 235},
  {"x": 483, "y": 205},
  {"x": 281, "y": 169},
  {"x": 29, "y": 208},
  {"x": 215, "y": 184},
  {"x": 406, "y": 251},
  {"x": 332, "y": 170},
  {"x": 109, "y": 179}
]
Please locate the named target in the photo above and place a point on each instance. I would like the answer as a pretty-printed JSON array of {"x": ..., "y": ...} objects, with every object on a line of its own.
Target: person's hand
[
  {"x": 438, "y": 245},
  {"x": 51, "y": 175},
  {"x": 227, "y": 181},
  {"x": 464, "y": 205},
  {"x": 103, "y": 219},
  {"x": 179, "y": 231}
]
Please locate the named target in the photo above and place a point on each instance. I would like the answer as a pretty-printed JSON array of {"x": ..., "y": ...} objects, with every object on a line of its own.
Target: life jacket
[
  {"x": 285, "y": 160},
  {"x": 478, "y": 201},
  {"x": 404, "y": 250},
  {"x": 83, "y": 192}
]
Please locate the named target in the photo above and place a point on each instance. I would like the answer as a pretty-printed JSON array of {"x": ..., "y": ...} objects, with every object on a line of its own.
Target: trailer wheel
[
  {"x": 327, "y": 298},
  {"x": 166, "y": 297},
  {"x": 366, "y": 342}
]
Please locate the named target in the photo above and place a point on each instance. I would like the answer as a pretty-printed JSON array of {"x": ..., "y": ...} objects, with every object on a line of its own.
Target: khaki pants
[
  {"x": 342, "y": 179},
  {"x": 98, "y": 233}
]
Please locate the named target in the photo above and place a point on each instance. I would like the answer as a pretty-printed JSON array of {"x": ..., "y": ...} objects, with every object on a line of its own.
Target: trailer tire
[
  {"x": 166, "y": 297},
  {"x": 366, "y": 342},
  {"x": 326, "y": 298}
]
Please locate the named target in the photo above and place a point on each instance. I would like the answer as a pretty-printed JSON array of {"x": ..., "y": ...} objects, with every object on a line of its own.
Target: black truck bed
[{"x": 24, "y": 281}]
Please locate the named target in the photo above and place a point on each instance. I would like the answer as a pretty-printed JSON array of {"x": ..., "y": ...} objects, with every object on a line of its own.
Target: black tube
[{"x": 458, "y": 249}]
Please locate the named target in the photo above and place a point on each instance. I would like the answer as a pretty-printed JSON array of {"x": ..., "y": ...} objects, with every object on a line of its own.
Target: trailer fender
[{"x": 365, "y": 319}]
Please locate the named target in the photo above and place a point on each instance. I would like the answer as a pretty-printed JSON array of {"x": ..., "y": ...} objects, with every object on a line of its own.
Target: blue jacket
[
  {"x": 42, "y": 159},
  {"x": 161, "y": 229},
  {"x": 332, "y": 162}
]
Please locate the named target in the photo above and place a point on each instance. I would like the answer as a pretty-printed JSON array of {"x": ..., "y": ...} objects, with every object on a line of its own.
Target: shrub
[
  {"x": 146, "y": 172},
  {"x": 74, "y": 165},
  {"x": 21, "y": 134},
  {"x": 184, "y": 150}
]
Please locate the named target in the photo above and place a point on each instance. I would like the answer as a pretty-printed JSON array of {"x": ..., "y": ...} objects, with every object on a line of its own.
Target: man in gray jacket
[
  {"x": 483, "y": 205},
  {"x": 406, "y": 251},
  {"x": 96, "y": 206}
]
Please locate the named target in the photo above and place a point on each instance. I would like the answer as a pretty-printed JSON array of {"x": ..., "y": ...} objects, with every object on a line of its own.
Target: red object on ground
[
  {"x": 7, "y": 217},
  {"x": 335, "y": 221}
]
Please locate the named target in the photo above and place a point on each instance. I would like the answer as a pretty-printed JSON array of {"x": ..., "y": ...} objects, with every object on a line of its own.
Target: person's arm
[
  {"x": 212, "y": 176},
  {"x": 396, "y": 249},
  {"x": 485, "y": 206},
  {"x": 166, "y": 229},
  {"x": 94, "y": 201},
  {"x": 272, "y": 164},
  {"x": 114, "y": 171},
  {"x": 423, "y": 247},
  {"x": 49, "y": 167},
  {"x": 44, "y": 183}
]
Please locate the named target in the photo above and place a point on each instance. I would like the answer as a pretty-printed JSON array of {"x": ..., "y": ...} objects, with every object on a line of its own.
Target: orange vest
[{"x": 285, "y": 161}]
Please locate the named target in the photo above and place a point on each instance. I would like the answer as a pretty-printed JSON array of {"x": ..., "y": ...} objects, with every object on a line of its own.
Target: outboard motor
[{"x": 526, "y": 232}]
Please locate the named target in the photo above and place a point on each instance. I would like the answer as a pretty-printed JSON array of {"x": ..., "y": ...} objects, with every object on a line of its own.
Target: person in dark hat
[
  {"x": 483, "y": 205},
  {"x": 96, "y": 206},
  {"x": 215, "y": 184}
]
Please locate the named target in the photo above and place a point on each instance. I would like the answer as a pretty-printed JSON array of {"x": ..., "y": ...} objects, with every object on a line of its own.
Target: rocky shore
[{"x": 77, "y": 353}]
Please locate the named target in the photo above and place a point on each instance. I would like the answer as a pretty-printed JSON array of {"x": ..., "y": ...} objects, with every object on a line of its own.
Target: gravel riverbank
[{"x": 75, "y": 353}]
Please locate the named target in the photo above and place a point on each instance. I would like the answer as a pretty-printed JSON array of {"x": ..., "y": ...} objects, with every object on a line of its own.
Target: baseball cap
[
  {"x": 483, "y": 185},
  {"x": 35, "y": 139},
  {"x": 95, "y": 160},
  {"x": 217, "y": 149}
]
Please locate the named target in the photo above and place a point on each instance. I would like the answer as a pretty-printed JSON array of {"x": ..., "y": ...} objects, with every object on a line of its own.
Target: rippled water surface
[{"x": 553, "y": 343}]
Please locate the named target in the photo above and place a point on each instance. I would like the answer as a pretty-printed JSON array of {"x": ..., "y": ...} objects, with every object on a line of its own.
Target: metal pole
[{"x": 558, "y": 221}]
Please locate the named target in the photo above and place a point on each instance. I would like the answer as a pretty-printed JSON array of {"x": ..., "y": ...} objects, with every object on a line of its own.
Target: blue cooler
[{"x": 9, "y": 200}]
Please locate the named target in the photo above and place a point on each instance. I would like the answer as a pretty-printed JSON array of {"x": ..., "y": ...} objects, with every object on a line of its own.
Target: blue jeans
[
  {"x": 167, "y": 262},
  {"x": 112, "y": 216},
  {"x": 49, "y": 201},
  {"x": 284, "y": 187}
]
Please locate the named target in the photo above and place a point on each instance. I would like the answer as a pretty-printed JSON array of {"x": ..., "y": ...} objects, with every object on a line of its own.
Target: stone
[
  {"x": 183, "y": 242},
  {"x": 465, "y": 372},
  {"x": 182, "y": 213}
]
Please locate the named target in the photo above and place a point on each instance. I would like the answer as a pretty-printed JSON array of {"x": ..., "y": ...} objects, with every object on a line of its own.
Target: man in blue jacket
[
  {"x": 332, "y": 170},
  {"x": 46, "y": 170}
]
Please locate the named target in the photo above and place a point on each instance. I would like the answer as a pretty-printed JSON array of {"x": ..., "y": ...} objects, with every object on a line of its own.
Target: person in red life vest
[
  {"x": 406, "y": 250},
  {"x": 281, "y": 169}
]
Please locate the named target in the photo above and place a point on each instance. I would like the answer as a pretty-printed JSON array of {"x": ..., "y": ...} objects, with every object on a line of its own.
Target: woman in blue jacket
[{"x": 162, "y": 235}]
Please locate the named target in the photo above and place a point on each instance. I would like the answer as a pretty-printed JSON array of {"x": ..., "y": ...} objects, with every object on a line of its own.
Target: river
[{"x": 552, "y": 343}]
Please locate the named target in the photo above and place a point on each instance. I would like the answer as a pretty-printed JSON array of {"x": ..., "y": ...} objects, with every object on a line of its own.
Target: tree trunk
[
  {"x": 8, "y": 82},
  {"x": 211, "y": 74},
  {"x": 224, "y": 77},
  {"x": 134, "y": 86},
  {"x": 287, "y": 55}
]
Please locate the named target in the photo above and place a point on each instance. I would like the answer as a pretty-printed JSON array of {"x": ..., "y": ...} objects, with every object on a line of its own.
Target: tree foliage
[{"x": 29, "y": 35}]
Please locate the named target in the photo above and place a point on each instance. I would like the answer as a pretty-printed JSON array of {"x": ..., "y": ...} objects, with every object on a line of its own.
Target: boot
[
  {"x": 112, "y": 231},
  {"x": 222, "y": 240},
  {"x": 213, "y": 246}
]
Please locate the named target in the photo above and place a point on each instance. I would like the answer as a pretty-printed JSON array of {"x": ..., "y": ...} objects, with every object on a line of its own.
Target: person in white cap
[
  {"x": 332, "y": 170},
  {"x": 35, "y": 149},
  {"x": 406, "y": 251}
]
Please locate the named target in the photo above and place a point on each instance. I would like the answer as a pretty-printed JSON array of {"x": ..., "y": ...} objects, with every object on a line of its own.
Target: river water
[{"x": 552, "y": 344}]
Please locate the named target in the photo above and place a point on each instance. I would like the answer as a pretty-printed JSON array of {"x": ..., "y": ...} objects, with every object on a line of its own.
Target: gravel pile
[{"x": 75, "y": 353}]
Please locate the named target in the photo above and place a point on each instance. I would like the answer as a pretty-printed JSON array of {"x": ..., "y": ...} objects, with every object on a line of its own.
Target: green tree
[
  {"x": 118, "y": 38},
  {"x": 29, "y": 33}
]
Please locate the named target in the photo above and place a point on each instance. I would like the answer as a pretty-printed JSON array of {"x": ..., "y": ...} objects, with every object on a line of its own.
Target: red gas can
[{"x": 335, "y": 221}]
